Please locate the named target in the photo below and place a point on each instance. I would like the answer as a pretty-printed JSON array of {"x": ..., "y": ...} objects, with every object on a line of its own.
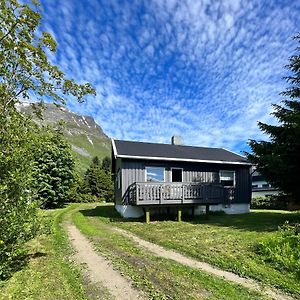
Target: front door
[{"x": 176, "y": 175}]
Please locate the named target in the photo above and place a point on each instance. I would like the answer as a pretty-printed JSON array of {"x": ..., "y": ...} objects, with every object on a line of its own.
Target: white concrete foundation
[
  {"x": 129, "y": 211},
  {"x": 233, "y": 209}
]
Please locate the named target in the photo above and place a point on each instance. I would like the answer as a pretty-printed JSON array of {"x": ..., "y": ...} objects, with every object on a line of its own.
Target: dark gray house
[{"x": 150, "y": 177}]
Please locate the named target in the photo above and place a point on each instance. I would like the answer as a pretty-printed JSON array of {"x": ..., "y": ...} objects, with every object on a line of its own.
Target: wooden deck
[{"x": 181, "y": 193}]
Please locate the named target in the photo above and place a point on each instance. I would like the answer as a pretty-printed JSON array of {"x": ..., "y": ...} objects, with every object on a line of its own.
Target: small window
[
  {"x": 119, "y": 179},
  {"x": 254, "y": 186},
  {"x": 155, "y": 174},
  {"x": 227, "y": 178},
  {"x": 265, "y": 185}
]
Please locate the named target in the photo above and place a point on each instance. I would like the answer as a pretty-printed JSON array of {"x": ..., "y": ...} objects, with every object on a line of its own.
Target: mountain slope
[{"x": 84, "y": 134}]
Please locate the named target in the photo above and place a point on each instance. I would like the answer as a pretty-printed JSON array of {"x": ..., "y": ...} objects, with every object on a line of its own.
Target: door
[
  {"x": 176, "y": 174},
  {"x": 176, "y": 189}
]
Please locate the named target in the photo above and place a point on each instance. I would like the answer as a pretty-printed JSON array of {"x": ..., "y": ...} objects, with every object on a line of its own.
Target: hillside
[{"x": 84, "y": 134}]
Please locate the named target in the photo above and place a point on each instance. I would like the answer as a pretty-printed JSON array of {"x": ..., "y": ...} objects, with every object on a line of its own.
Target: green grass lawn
[
  {"x": 227, "y": 241},
  {"x": 49, "y": 274},
  {"x": 159, "y": 278}
]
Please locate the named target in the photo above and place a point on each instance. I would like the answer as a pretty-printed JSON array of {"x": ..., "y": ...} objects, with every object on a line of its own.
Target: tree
[
  {"x": 25, "y": 70},
  {"x": 54, "y": 169},
  {"x": 278, "y": 159},
  {"x": 97, "y": 182},
  {"x": 106, "y": 164}
]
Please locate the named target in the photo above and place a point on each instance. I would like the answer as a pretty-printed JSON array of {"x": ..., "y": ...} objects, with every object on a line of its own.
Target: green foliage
[
  {"x": 24, "y": 70},
  {"x": 269, "y": 202},
  {"x": 278, "y": 159},
  {"x": 97, "y": 181},
  {"x": 106, "y": 164},
  {"x": 25, "y": 67},
  {"x": 19, "y": 218},
  {"x": 283, "y": 249},
  {"x": 54, "y": 169}
]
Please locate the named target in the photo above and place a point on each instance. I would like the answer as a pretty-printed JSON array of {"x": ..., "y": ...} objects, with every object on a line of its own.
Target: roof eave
[{"x": 183, "y": 159}]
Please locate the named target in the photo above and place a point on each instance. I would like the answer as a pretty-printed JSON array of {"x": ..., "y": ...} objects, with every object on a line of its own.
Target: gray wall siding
[{"x": 134, "y": 171}]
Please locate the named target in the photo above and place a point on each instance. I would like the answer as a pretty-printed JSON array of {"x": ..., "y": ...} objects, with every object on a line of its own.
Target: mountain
[{"x": 84, "y": 134}]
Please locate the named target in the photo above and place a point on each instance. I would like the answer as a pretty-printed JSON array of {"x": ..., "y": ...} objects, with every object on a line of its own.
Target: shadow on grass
[
  {"x": 259, "y": 221},
  {"x": 18, "y": 263}
]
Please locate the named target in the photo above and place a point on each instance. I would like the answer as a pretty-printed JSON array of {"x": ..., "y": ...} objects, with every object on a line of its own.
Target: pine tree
[
  {"x": 97, "y": 181},
  {"x": 106, "y": 164},
  {"x": 278, "y": 159}
]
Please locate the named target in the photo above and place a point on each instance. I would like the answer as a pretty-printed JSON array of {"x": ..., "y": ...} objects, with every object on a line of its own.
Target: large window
[
  {"x": 227, "y": 178},
  {"x": 155, "y": 174}
]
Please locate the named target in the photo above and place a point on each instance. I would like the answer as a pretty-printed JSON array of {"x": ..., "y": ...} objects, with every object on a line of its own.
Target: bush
[
  {"x": 18, "y": 213},
  {"x": 269, "y": 202},
  {"x": 283, "y": 249}
]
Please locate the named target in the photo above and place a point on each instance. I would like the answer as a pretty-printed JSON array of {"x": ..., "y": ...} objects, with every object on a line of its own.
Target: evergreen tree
[
  {"x": 97, "y": 182},
  {"x": 54, "y": 171},
  {"x": 279, "y": 158},
  {"x": 106, "y": 164}
]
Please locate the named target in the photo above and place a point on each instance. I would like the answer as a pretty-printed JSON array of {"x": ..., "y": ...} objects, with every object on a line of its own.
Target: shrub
[
  {"x": 283, "y": 248},
  {"x": 18, "y": 213},
  {"x": 269, "y": 202}
]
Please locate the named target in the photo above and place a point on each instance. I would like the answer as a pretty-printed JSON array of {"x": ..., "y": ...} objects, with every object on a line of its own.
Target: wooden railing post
[{"x": 183, "y": 191}]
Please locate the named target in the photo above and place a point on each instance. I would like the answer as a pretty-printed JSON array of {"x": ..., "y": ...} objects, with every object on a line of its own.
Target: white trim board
[
  {"x": 184, "y": 159},
  {"x": 114, "y": 147}
]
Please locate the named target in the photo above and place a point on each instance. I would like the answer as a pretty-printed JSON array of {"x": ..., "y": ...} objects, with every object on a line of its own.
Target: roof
[{"x": 155, "y": 151}]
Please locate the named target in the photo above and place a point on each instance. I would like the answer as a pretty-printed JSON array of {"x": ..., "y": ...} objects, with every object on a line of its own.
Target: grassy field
[
  {"x": 48, "y": 274},
  {"x": 226, "y": 241},
  {"x": 222, "y": 240},
  {"x": 159, "y": 278}
]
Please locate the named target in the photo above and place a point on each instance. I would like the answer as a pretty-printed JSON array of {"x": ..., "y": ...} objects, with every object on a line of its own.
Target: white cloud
[{"x": 206, "y": 70}]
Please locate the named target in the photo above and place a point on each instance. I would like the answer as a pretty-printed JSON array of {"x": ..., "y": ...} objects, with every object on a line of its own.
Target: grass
[
  {"x": 227, "y": 241},
  {"x": 159, "y": 278},
  {"x": 49, "y": 274}
]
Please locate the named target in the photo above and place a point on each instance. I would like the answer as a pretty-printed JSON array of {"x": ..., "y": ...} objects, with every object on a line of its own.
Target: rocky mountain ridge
[{"x": 84, "y": 134}]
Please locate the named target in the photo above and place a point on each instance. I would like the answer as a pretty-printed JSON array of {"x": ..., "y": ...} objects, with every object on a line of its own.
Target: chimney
[{"x": 176, "y": 140}]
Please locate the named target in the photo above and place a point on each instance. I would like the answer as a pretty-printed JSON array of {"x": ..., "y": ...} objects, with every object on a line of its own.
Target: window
[
  {"x": 254, "y": 186},
  {"x": 227, "y": 178},
  {"x": 155, "y": 174},
  {"x": 119, "y": 179},
  {"x": 265, "y": 185}
]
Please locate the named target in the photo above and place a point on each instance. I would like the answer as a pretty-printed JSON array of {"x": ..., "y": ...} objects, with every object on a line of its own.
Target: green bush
[
  {"x": 283, "y": 249},
  {"x": 19, "y": 220},
  {"x": 269, "y": 202}
]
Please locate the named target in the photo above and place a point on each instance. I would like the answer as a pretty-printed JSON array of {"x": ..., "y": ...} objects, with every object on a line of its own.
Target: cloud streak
[{"x": 206, "y": 70}]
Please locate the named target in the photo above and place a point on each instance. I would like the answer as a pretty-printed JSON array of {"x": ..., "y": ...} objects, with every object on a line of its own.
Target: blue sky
[{"x": 206, "y": 70}]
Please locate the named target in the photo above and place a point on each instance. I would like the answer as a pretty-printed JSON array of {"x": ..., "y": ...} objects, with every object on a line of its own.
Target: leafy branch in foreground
[{"x": 25, "y": 70}]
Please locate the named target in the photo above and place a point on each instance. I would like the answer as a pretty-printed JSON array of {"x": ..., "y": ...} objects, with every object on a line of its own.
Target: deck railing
[{"x": 168, "y": 193}]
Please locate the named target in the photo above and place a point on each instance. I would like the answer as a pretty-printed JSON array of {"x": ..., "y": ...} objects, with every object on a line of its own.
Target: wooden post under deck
[
  {"x": 179, "y": 214},
  {"x": 147, "y": 214},
  {"x": 207, "y": 210}
]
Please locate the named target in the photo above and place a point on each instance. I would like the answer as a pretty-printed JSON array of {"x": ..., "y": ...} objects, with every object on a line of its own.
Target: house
[
  {"x": 260, "y": 187},
  {"x": 150, "y": 177}
]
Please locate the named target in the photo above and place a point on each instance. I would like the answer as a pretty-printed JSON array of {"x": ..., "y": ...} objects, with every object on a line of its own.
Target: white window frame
[
  {"x": 234, "y": 176},
  {"x": 119, "y": 179},
  {"x": 171, "y": 176},
  {"x": 155, "y": 167}
]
